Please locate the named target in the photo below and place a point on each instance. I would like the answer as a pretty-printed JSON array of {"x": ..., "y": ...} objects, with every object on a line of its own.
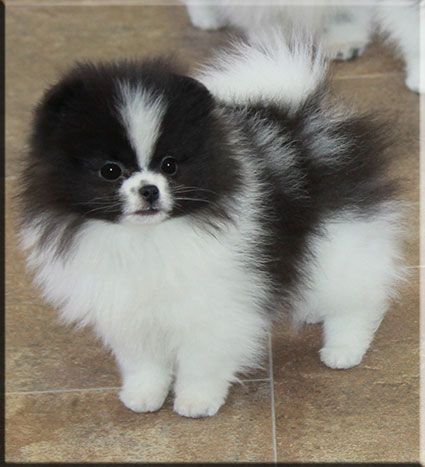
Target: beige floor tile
[
  {"x": 377, "y": 59},
  {"x": 43, "y": 354},
  {"x": 19, "y": 288},
  {"x": 95, "y": 426},
  {"x": 357, "y": 420}
]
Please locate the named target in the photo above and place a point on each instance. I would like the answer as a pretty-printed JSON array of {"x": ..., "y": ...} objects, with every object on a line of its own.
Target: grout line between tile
[
  {"x": 272, "y": 401},
  {"x": 367, "y": 76},
  {"x": 106, "y": 388},
  {"x": 54, "y": 391},
  {"x": 259, "y": 380}
]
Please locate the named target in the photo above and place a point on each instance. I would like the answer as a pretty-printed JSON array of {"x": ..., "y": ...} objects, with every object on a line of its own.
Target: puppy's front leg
[
  {"x": 146, "y": 379},
  {"x": 203, "y": 377},
  {"x": 205, "y": 369},
  {"x": 226, "y": 337}
]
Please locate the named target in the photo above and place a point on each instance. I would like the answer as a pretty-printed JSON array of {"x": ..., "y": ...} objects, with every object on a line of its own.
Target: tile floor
[{"x": 61, "y": 402}]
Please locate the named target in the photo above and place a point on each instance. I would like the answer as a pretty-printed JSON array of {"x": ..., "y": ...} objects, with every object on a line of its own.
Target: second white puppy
[{"x": 343, "y": 28}]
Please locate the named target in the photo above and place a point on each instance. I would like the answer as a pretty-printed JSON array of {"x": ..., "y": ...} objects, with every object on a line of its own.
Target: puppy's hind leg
[
  {"x": 347, "y": 336},
  {"x": 355, "y": 271}
]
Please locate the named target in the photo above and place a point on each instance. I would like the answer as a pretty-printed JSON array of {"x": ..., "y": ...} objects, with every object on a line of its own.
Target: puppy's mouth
[
  {"x": 147, "y": 212},
  {"x": 147, "y": 216}
]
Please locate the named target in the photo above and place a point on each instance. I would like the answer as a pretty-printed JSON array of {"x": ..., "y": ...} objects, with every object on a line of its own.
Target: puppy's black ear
[
  {"x": 196, "y": 88},
  {"x": 60, "y": 98},
  {"x": 53, "y": 111},
  {"x": 192, "y": 99},
  {"x": 193, "y": 84}
]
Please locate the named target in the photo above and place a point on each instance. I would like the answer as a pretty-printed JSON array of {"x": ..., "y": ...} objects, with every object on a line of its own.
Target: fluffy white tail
[{"x": 266, "y": 68}]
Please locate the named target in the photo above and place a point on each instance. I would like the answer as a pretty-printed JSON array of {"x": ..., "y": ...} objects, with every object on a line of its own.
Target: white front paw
[
  {"x": 197, "y": 406},
  {"x": 196, "y": 402},
  {"x": 341, "y": 357},
  {"x": 143, "y": 399}
]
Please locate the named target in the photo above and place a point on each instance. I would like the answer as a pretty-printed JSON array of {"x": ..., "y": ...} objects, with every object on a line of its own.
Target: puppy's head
[{"x": 129, "y": 142}]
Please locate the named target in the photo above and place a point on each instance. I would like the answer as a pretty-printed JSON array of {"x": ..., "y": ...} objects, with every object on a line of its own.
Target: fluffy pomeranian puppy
[
  {"x": 343, "y": 27},
  {"x": 179, "y": 216}
]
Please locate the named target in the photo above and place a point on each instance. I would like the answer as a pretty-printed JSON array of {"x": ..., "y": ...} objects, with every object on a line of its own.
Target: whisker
[
  {"x": 98, "y": 200},
  {"x": 212, "y": 203},
  {"x": 193, "y": 199},
  {"x": 191, "y": 188},
  {"x": 111, "y": 209}
]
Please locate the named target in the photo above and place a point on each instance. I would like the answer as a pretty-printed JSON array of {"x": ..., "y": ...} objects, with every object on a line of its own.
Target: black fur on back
[{"x": 315, "y": 185}]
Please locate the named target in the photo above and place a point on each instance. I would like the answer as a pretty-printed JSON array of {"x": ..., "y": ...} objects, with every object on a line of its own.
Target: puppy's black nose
[{"x": 150, "y": 193}]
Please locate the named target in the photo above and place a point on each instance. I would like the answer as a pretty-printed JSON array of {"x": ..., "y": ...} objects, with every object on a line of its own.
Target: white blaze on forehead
[{"x": 141, "y": 113}]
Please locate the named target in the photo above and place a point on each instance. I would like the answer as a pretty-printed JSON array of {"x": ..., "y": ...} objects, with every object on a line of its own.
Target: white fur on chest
[{"x": 167, "y": 279}]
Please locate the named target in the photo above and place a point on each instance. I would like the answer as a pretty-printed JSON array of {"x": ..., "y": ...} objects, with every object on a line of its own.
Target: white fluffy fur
[
  {"x": 266, "y": 70},
  {"x": 174, "y": 302},
  {"x": 343, "y": 28}
]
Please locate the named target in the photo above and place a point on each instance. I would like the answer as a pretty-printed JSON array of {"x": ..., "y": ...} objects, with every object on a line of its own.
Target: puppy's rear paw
[
  {"x": 345, "y": 51},
  {"x": 341, "y": 357},
  {"x": 345, "y": 40}
]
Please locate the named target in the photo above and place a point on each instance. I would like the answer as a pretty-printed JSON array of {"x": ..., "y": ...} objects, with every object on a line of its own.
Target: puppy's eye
[
  {"x": 169, "y": 166},
  {"x": 111, "y": 171}
]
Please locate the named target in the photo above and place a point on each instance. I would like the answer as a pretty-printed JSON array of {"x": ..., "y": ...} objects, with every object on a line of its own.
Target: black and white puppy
[{"x": 179, "y": 216}]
